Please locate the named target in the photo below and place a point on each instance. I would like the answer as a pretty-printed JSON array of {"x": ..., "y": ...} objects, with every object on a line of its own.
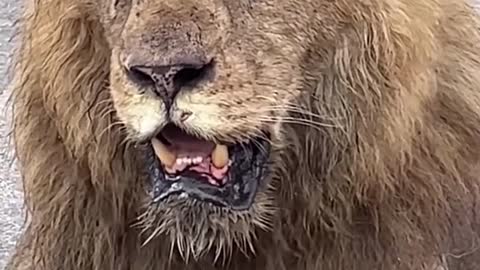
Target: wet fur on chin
[
  {"x": 195, "y": 229},
  {"x": 393, "y": 188}
]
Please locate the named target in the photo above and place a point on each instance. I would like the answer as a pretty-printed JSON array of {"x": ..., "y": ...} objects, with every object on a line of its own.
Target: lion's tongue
[{"x": 184, "y": 150}]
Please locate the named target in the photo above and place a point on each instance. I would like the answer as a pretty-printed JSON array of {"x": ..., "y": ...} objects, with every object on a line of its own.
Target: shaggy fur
[{"x": 373, "y": 105}]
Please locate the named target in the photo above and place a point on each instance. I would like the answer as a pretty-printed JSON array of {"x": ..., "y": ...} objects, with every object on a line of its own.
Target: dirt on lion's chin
[{"x": 376, "y": 104}]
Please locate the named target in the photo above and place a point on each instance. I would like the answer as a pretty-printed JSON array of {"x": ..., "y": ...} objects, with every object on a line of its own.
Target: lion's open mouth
[{"x": 224, "y": 175}]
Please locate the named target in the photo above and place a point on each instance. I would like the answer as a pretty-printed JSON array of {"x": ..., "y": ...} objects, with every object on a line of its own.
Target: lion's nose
[{"x": 168, "y": 80}]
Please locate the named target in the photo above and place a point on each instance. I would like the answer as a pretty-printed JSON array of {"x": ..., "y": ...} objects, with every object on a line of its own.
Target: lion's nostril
[
  {"x": 141, "y": 75},
  {"x": 190, "y": 76},
  {"x": 170, "y": 79}
]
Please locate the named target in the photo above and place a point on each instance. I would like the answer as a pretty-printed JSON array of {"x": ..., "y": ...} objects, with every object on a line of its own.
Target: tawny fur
[{"x": 376, "y": 154}]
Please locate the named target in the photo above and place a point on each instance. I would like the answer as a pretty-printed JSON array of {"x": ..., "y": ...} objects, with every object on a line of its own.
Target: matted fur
[{"x": 392, "y": 184}]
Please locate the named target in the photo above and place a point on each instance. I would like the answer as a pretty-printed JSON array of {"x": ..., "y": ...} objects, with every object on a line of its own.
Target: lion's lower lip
[
  {"x": 249, "y": 168},
  {"x": 239, "y": 196}
]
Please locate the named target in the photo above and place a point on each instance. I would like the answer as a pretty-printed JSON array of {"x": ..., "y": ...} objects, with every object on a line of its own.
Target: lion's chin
[{"x": 197, "y": 229}]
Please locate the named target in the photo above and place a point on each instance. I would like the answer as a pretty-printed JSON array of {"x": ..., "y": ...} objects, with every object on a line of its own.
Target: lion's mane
[{"x": 396, "y": 186}]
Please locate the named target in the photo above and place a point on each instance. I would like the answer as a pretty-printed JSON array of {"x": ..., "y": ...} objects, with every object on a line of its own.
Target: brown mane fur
[{"x": 397, "y": 187}]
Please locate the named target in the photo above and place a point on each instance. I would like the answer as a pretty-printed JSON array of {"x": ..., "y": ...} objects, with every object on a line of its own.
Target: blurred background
[{"x": 11, "y": 212}]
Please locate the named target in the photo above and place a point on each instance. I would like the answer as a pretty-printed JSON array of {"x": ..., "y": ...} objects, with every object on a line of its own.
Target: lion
[{"x": 266, "y": 134}]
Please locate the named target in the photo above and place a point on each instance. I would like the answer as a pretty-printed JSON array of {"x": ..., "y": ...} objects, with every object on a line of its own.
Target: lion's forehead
[{"x": 207, "y": 21}]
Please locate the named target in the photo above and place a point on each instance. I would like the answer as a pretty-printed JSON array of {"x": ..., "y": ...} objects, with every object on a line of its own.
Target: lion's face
[{"x": 206, "y": 85}]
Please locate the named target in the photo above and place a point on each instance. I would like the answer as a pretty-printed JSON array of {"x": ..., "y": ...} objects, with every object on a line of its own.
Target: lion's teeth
[
  {"x": 220, "y": 156},
  {"x": 166, "y": 156},
  {"x": 213, "y": 182},
  {"x": 189, "y": 160}
]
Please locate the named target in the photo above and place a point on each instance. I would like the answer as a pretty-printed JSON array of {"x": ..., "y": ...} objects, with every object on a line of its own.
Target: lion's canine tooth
[
  {"x": 220, "y": 156},
  {"x": 166, "y": 156}
]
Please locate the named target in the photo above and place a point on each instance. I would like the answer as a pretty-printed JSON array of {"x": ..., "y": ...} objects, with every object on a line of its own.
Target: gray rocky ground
[
  {"x": 11, "y": 215},
  {"x": 10, "y": 196}
]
